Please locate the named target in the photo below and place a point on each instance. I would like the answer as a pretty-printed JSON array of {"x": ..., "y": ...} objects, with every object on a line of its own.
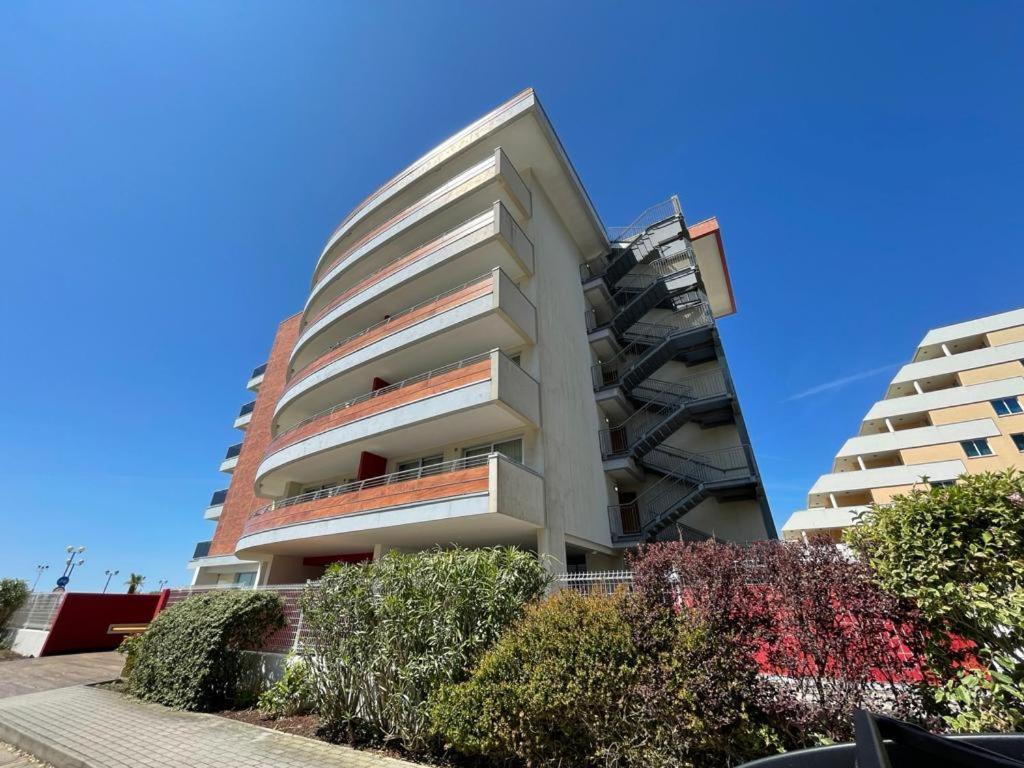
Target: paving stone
[{"x": 85, "y": 727}]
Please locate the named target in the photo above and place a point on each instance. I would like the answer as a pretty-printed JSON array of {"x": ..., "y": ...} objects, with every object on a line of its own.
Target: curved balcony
[
  {"x": 472, "y": 502},
  {"x": 491, "y": 239},
  {"x": 454, "y": 154},
  {"x": 481, "y": 395},
  {"x": 445, "y": 208},
  {"x": 482, "y": 314}
]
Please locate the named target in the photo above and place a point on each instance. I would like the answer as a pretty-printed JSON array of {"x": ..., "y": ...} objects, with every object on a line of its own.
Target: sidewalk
[
  {"x": 31, "y": 675},
  {"x": 84, "y": 727}
]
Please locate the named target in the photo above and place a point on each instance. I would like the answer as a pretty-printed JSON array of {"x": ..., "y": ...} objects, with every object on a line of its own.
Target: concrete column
[{"x": 551, "y": 549}]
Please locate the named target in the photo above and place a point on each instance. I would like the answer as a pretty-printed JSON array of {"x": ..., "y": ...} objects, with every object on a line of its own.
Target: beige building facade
[
  {"x": 479, "y": 361},
  {"x": 957, "y": 408}
]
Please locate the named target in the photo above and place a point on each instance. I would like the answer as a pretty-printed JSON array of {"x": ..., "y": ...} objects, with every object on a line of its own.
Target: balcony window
[
  {"x": 1018, "y": 440},
  {"x": 233, "y": 451},
  {"x": 202, "y": 549},
  {"x": 1006, "y": 406},
  {"x": 245, "y": 578},
  {"x": 510, "y": 449},
  {"x": 976, "y": 448},
  {"x": 420, "y": 463},
  {"x": 247, "y": 408},
  {"x": 218, "y": 497},
  {"x": 941, "y": 483},
  {"x": 259, "y": 370}
]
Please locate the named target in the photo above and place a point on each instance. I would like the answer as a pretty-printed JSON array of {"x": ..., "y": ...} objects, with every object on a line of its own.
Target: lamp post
[
  {"x": 39, "y": 573},
  {"x": 161, "y": 584},
  {"x": 109, "y": 574},
  {"x": 69, "y": 566}
]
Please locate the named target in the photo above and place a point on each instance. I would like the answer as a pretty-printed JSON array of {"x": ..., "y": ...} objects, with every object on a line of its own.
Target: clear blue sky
[{"x": 170, "y": 172}]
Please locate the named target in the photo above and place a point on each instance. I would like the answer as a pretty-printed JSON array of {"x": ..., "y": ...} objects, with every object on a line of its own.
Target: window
[
  {"x": 976, "y": 448},
  {"x": 941, "y": 483},
  {"x": 245, "y": 578},
  {"x": 1018, "y": 440},
  {"x": 1006, "y": 405},
  {"x": 510, "y": 449},
  {"x": 422, "y": 463}
]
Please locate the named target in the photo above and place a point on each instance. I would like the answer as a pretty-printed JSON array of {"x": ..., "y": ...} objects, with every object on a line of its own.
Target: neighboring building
[
  {"x": 957, "y": 408},
  {"x": 477, "y": 363}
]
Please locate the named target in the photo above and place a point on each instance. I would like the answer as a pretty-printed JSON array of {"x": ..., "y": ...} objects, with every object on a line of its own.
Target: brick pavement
[
  {"x": 85, "y": 727},
  {"x": 30, "y": 675}
]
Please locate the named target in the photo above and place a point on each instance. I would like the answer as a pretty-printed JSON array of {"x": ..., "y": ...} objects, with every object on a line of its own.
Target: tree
[
  {"x": 135, "y": 583},
  {"x": 958, "y": 552}
]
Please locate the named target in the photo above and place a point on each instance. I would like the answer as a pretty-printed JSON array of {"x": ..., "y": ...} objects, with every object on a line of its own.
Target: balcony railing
[
  {"x": 657, "y": 213},
  {"x": 259, "y": 370},
  {"x": 246, "y": 409},
  {"x": 632, "y": 285},
  {"x": 419, "y": 377},
  {"x": 218, "y": 497},
  {"x": 395, "y": 265},
  {"x": 233, "y": 451},
  {"x": 644, "y": 335},
  {"x": 664, "y": 400},
  {"x": 202, "y": 550},
  {"x": 394, "y": 319},
  {"x": 375, "y": 482}
]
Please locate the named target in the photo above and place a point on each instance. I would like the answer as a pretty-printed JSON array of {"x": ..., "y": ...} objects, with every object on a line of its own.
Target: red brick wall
[
  {"x": 241, "y": 499},
  {"x": 279, "y": 642}
]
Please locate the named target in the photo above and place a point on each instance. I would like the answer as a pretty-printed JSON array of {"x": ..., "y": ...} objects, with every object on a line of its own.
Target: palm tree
[{"x": 135, "y": 583}]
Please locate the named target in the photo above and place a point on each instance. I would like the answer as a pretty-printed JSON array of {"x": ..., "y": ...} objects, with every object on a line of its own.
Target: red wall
[{"x": 83, "y": 619}]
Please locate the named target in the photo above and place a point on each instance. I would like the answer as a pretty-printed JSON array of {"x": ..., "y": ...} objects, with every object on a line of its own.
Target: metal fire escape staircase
[{"x": 657, "y": 270}]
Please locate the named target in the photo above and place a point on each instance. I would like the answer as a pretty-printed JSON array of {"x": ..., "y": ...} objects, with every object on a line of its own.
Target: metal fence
[
  {"x": 600, "y": 582},
  {"x": 37, "y": 612}
]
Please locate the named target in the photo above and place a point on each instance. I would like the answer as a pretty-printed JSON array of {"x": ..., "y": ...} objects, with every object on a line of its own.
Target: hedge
[
  {"x": 190, "y": 656},
  {"x": 382, "y": 636},
  {"x": 13, "y": 594}
]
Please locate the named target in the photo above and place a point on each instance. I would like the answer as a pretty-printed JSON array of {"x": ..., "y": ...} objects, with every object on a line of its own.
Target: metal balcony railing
[
  {"x": 233, "y": 451},
  {"x": 247, "y": 408},
  {"x": 446, "y": 467},
  {"x": 259, "y": 370},
  {"x": 683, "y": 486},
  {"x": 408, "y": 310},
  {"x": 425, "y": 376},
  {"x": 218, "y": 497},
  {"x": 644, "y": 339},
  {"x": 656, "y": 214},
  {"x": 202, "y": 550},
  {"x": 633, "y": 286},
  {"x": 664, "y": 400}
]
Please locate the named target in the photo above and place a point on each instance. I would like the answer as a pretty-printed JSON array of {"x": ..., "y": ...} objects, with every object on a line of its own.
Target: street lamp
[
  {"x": 39, "y": 573},
  {"x": 108, "y": 574},
  {"x": 161, "y": 584},
  {"x": 69, "y": 566}
]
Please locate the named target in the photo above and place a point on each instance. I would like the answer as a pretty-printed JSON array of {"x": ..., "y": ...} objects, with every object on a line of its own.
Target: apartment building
[
  {"x": 955, "y": 409},
  {"x": 480, "y": 362}
]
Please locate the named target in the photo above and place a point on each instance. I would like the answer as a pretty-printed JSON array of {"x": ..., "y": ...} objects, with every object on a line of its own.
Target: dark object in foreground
[{"x": 882, "y": 742}]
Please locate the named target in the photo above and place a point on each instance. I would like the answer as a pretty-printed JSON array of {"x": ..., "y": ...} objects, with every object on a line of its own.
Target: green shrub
[
  {"x": 552, "y": 691},
  {"x": 570, "y": 685},
  {"x": 129, "y": 648},
  {"x": 291, "y": 695},
  {"x": 13, "y": 594},
  {"x": 190, "y": 656},
  {"x": 958, "y": 553},
  {"x": 382, "y": 636}
]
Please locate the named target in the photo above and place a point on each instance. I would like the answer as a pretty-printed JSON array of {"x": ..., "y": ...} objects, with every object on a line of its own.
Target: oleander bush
[
  {"x": 13, "y": 594},
  {"x": 191, "y": 656},
  {"x": 380, "y": 637},
  {"x": 957, "y": 552}
]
